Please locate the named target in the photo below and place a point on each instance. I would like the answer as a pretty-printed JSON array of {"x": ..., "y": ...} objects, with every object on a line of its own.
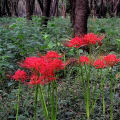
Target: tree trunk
[
  {"x": 46, "y": 11},
  {"x": 80, "y": 17},
  {"x": 63, "y": 10},
  {"x": 54, "y": 8},
  {"x": 14, "y": 7},
  {"x": 5, "y": 8},
  {"x": 30, "y": 4},
  {"x": 0, "y": 9},
  {"x": 72, "y": 4},
  {"x": 41, "y": 5}
]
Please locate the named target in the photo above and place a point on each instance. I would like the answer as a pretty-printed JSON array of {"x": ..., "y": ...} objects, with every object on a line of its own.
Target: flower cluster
[
  {"x": 92, "y": 38},
  {"x": 106, "y": 61},
  {"x": 20, "y": 75},
  {"x": 87, "y": 39},
  {"x": 84, "y": 60},
  {"x": 76, "y": 42},
  {"x": 42, "y": 68}
]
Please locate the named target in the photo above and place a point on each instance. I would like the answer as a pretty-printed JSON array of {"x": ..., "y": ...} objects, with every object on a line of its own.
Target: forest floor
[{"x": 20, "y": 38}]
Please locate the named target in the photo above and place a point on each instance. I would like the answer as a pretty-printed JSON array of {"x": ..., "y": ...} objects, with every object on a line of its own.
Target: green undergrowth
[{"x": 20, "y": 38}]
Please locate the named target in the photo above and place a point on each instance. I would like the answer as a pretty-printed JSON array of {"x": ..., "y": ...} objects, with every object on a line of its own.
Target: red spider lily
[
  {"x": 87, "y": 39},
  {"x": 99, "y": 64},
  {"x": 76, "y": 42},
  {"x": 52, "y": 54},
  {"x": 19, "y": 75},
  {"x": 111, "y": 60},
  {"x": 35, "y": 79},
  {"x": 119, "y": 60},
  {"x": 92, "y": 38},
  {"x": 51, "y": 67},
  {"x": 44, "y": 67},
  {"x": 84, "y": 60},
  {"x": 32, "y": 63}
]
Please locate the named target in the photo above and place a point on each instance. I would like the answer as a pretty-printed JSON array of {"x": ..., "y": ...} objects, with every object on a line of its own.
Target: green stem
[
  {"x": 56, "y": 101},
  {"x": 52, "y": 101},
  {"x": 18, "y": 101},
  {"x": 83, "y": 83},
  {"x": 64, "y": 62},
  {"x": 43, "y": 103},
  {"x": 35, "y": 102},
  {"x": 111, "y": 97},
  {"x": 102, "y": 89},
  {"x": 88, "y": 92},
  {"x": 49, "y": 89},
  {"x": 93, "y": 94},
  {"x": 93, "y": 106}
]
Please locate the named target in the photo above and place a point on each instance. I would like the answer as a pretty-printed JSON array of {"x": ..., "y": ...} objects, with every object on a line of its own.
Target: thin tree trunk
[
  {"x": 46, "y": 11},
  {"x": 63, "y": 9},
  {"x": 73, "y": 3},
  {"x": 30, "y": 4},
  {"x": 41, "y": 5},
  {"x": 54, "y": 7},
  {"x": 0, "y": 9},
  {"x": 28, "y": 14},
  {"x": 5, "y": 8}
]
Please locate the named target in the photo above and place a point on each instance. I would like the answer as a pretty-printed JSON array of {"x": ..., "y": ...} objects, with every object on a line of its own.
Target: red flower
[
  {"x": 76, "y": 42},
  {"x": 92, "y": 38},
  {"x": 84, "y": 60},
  {"x": 43, "y": 67},
  {"x": 32, "y": 63},
  {"x": 119, "y": 60},
  {"x": 110, "y": 60},
  {"x": 35, "y": 80},
  {"x": 19, "y": 75},
  {"x": 52, "y": 54},
  {"x": 99, "y": 64},
  {"x": 87, "y": 39}
]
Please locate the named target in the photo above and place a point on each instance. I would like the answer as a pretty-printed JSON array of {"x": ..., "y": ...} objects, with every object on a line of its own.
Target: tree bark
[
  {"x": 54, "y": 8},
  {"x": 0, "y": 9},
  {"x": 72, "y": 4},
  {"x": 81, "y": 16},
  {"x": 41, "y": 5},
  {"x": 46, "y": 11},
  {"x": 5, "y": 8},
  {"x": 30, "y": 4},
  {"x": 63, "y": 9}
]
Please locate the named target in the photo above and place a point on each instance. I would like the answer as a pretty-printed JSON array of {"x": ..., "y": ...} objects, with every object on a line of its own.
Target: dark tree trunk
[
  {"x": 46, "y": 11},
  {"x": 72, "y": 4},
  {"x": 48, "y": 8},
  {"x": 28, "y": 14},
  {"x": 5, "y": 8},
  {"x": 0, "y": 9},
  {"x": 80, "y": 18},
  {"x": 30, "y": 4},
  {"x": 54, "y": 8},
  {"x": 63, "y": 9},
  {"x": 15, "y": 8},
  {"x": 41, "y": 5}
]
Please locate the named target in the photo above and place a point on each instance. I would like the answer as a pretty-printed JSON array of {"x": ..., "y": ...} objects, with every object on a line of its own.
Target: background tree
[
  {"x": 48, "y": 8},
  {"x": 54, "y": 8},
  {"x": 79, "y": 16},
  {"x": 5, "y": 10},
  {"x": 98, "y": 8},
  {"x": 30, "y": 4}
]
